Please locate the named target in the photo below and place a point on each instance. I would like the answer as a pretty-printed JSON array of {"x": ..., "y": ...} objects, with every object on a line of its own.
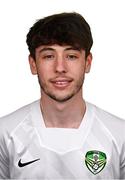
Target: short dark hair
[{"x": 62, "y": 29}]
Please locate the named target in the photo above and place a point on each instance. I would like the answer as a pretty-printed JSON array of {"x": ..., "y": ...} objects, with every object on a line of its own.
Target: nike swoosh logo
[{"x": 20, "y": 164}]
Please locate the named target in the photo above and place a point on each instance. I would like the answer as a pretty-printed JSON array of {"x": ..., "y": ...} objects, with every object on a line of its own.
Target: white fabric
[{"x": 60, "y": 152}]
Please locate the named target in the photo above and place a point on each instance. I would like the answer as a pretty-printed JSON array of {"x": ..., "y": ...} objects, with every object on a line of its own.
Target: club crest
[{"x": 95, "y": 161}]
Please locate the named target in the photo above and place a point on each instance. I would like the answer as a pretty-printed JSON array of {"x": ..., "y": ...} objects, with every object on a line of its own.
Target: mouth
[{"x": 61, "y": 83}]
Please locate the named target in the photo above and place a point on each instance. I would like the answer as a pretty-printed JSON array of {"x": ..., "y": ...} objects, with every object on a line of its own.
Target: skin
[{"x": 61, "y": 72}]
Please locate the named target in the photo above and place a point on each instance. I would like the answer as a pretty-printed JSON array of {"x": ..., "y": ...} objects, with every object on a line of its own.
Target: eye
[
  {"x": 72, "y": 57},
  {"x": 48, "y": 57}
]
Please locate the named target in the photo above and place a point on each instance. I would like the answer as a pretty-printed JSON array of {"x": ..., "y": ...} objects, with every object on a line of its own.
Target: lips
[{"x": 61, "y": 82}]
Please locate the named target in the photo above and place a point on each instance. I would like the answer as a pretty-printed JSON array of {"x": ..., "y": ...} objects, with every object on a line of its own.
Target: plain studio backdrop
[{"x": 104, "y": 85}]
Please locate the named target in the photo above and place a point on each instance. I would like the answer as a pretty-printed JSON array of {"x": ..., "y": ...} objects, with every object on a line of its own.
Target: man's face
[{"x": 60, "y": 70}]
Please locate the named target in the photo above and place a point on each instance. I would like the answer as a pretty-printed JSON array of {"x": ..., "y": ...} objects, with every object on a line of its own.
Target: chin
[{"x": 61, "y": 98}]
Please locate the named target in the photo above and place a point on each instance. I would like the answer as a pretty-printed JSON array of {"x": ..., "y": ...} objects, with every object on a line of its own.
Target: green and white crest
[{"x": 95, "y": 161}]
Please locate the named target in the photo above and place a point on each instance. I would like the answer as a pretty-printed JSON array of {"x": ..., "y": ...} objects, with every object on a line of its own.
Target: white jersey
[{"x": 29, "y": 150}]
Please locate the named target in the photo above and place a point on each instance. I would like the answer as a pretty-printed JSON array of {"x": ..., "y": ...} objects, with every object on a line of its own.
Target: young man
[{"x": 61, "y": 136}]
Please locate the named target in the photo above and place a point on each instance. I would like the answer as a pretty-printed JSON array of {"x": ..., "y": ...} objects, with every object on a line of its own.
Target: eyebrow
[
  {"x": 46, "y": 49},
  {"x": 72, "y": 48},
  {"x": 51, "y": 49}
]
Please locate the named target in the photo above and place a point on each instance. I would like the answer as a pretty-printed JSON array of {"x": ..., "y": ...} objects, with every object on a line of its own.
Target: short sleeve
[
  {"x": 122, "y": 164},
  {"x": 4, "y": 160}
]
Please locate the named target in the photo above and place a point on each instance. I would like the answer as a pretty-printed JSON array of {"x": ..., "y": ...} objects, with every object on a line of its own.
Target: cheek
[
  {"x": 45, "y": 67},
  {"x": 78, "y": 70},
  {"x": 44, "y": 73}
]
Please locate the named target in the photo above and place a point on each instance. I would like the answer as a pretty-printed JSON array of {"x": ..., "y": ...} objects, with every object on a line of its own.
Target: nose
[{"x": 60, "y": 65}]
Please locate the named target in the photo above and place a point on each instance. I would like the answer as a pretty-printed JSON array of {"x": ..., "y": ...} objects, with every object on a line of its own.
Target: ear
[
  {"x": 33, "y": 67},
  {"x": 88, "y": 63}
]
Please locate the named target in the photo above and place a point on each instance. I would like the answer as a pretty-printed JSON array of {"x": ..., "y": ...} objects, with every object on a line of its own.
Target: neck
[{"x": 68, "y": 114}]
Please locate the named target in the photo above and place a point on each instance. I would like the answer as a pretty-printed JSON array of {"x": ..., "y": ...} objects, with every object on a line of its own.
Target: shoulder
[
  {"x": 109, "y": 119},
  {"x": 114, "y": 125},
  {"x": 106, "y": 117},
  {"x": 12, "y": 120}
]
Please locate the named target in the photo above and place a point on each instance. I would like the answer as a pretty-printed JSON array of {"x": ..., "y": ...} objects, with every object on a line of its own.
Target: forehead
[{"x": 57, "y": 48}]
